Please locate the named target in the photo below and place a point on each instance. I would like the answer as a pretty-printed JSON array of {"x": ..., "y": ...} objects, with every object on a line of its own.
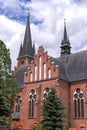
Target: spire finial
[
  {"x": 65, "y": 45},
  {"x": 64, "y": 22},
  {"x": 21, "y": 41},
  {"x": 65, "y": 32},
  {"x": 28, "y": 11}
]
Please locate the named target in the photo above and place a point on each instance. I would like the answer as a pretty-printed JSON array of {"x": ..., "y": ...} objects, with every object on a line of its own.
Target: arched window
[
  {"x": 49, "y": 73},
  {"x": 78, "y": 103},
  {"x": 46, "y": 92},
  {"x": 44, "y": 70},
  {"x": 32, "y": 100},
  {"x": 18, "y": 101}
]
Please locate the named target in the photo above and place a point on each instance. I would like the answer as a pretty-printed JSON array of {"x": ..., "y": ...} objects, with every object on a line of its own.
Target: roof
[
  {"x": 20, "y": 75},
  {"x": 27, "y": 50},
  {"x": 16, "y": 115},
  {"x": 76, "y": 68},
  {"x": 65, "y": 41},
  {"x": 73, "y": 67}
]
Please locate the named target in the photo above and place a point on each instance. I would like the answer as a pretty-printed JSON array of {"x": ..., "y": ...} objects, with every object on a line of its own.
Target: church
[{"x": 37, "y": 72}]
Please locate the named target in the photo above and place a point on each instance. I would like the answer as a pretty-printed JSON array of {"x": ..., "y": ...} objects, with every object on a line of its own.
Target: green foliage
[
  {"x": 5, "y": 61},
  {"x": 52, "y": 112},
  {"x": 8, "y": 87},
  {"x": 4, "y": 123},
  {"x": 37, "y": 127}
]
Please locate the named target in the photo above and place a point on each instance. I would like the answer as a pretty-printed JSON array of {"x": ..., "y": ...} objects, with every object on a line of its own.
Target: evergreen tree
[
  {"x": 52, "y": 112},
  {"x": 8, "y": 87}
]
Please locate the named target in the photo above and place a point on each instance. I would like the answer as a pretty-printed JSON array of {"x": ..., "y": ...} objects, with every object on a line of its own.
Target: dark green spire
[
  {"x": 65, "y": 44},
  {"x": 27, "y": 49}
]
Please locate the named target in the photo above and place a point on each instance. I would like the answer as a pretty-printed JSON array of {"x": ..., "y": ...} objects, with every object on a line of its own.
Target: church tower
[
  {"x": 65, "y": 44},
  {"x": 27, "y": 50}
]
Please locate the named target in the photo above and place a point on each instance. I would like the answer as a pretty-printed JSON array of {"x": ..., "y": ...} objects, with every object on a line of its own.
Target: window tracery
[
  {"x": 32, "y": 100},
  {"x": 46, "y": 92},
  {"x": 78, "y": 103},
  {"x": 18, "y": 102}
]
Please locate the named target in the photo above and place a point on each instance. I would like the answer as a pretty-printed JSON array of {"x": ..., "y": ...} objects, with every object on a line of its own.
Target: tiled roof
[
  {"x": 27, "y": 49},
  {"x": 20, "y": 75},
  {"x": 72, "y": 67}
]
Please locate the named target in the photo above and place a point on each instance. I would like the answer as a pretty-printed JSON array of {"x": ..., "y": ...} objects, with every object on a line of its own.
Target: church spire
[
  {"x": 65, "y": 44},
  {"x": 20, "y": 51},
  {"x": 27, "y": 48},
  {"x": 65, "y": 32}
]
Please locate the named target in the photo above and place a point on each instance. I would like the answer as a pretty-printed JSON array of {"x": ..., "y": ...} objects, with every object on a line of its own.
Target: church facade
[{"x": 37, "y": 73}]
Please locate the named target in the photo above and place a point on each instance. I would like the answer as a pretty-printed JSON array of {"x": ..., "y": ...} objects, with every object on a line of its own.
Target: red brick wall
[
  {"x": 64, "y": 89},
  {"x": 76, "y": 122}
]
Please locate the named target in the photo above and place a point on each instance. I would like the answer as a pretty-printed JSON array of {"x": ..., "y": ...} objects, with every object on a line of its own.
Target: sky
[{"x": 46, "y": 22}]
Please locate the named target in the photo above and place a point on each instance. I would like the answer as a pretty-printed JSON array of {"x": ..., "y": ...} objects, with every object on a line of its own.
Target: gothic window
[
  {"x": 49, "y": 73},
  {"x": 46, "y": 92},
  {"x": 78, "y": 103},
  {"x": 31, "y": 77},
  {"x": 18, "y": 101},
  {"x": 32, "y": 100},
  {"x": 44, "y": 70},
  {"x": 40, "y": 67},
  {"x": 35, "y": 72}
]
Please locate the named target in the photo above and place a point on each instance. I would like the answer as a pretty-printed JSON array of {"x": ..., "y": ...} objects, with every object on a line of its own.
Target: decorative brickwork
[{"x": 36, "y": 75}]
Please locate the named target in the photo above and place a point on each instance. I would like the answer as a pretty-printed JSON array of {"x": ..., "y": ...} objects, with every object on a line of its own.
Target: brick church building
[{"x": 37, "y": 73}]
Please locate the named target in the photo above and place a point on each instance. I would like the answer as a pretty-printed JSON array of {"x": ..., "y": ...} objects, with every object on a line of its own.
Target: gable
[{"x": 41, "y": 68}]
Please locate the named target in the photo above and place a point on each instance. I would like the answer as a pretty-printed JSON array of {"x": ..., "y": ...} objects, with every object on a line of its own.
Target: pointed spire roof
[
  {"x": 65, "y": 32},
  {"x": 65, "y": 40},
  {"x": 20, "y": 52},
  {"x": 34, "y": 46},
  {"x": 27, "y": 49},
  {"x": 65, "y": 44}
]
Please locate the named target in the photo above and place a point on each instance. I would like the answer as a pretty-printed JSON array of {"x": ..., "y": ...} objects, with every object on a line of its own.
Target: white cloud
[
  {"x": 50, "y": 32},
  {"x": 11, "y": 33}
]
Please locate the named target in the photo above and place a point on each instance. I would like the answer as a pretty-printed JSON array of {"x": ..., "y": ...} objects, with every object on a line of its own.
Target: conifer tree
[
  {"x": 52, "y": 112},
  {"x": 8, "y": 87}
]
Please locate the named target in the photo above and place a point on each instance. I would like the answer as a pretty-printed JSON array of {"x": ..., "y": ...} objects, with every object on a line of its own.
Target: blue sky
[{"x": 47, "y": 21}]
